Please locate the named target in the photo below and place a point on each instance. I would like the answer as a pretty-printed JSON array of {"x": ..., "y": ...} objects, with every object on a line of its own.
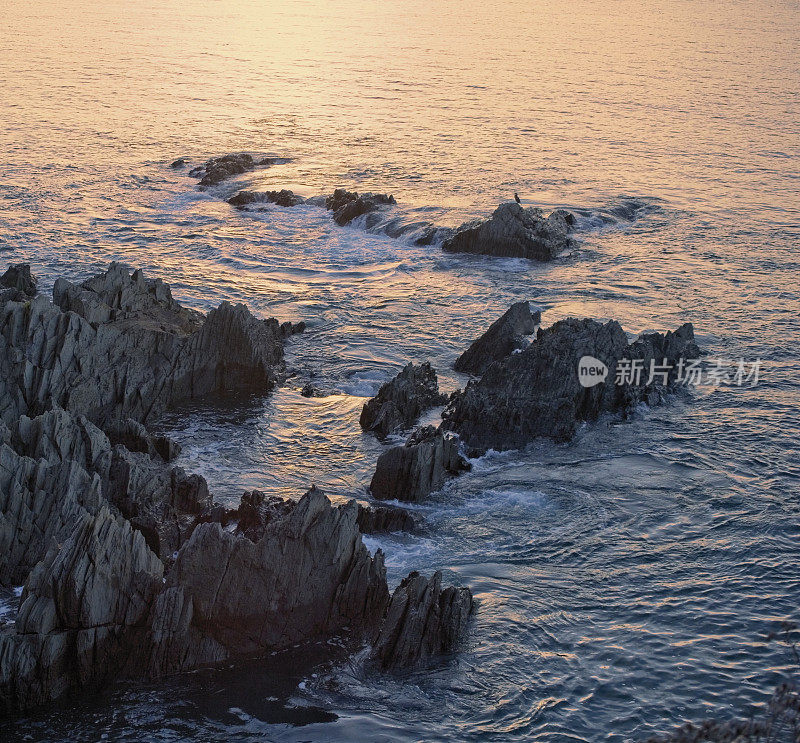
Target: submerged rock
[
  {"x": 412, "y": 471},
  {"x": 347, "y": 205},
  {"x": 217, "y": 169},
  {"x": 537, "y": 392},
  {"x": 503, "y": 337},
  {"x": 402, "y": 400},
  {"x": 18, "y": 276},
  {"x": 424, "y": 621},
  {"x": 284, "y": 197},
  {"x": 179, "y": 163},
  {"x": 515, "y": 232}
]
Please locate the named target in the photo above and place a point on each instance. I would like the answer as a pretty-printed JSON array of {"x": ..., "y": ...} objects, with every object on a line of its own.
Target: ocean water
[{"x": 627, "y": 581}]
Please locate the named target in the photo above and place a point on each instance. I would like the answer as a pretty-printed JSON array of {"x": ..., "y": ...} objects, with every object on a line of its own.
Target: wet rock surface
[
  {"x": 503, "y": 337},
  {"x": 537, "y": 392},
  {"x": 284, "y": 197},
  {"x": 424, "y": 622},
  {"x": 421, "y": 466},
  {"x": 385, "y": 520},
  {"x": 402, "y": 400},
  {"x": 347, "y": 205},
  {"x": 514, "y": 232},
  {"x": 218, "y": 169}
]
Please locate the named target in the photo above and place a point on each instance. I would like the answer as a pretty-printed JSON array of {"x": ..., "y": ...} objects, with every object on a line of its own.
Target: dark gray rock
[
  {"x": 308, "y": 576},
  {"x": 136, "y": 438},
  {"x": 218, "y": 169},
  {"x": 19, "y": 277},
  {"x": 284, "y": 197},
  {"x": 83, "y": 614},
  {"x": 347, "y": 205},
  {"x": 99, "y": 608},
  {"x": 402, "y": 400},
  {"x": 537, "y": 392},
  {"x": 424, "y": 622},
  {"x": 256, "y": 511},
  {"x": 179, "y": 163},
  {"x": 118, "y": 346},
  {"x": 385, "y": 520},
  {"x": 412, "y": 471},
  {"x": 515, "y": 232},
  {"x": 503, "y": 337}
]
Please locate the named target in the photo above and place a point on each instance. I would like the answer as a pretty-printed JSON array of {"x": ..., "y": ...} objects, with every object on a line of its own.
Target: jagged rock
[
  {"x": 129, "y": 300},
  {"x": 537, "y": 392},
  {"x": 424, "y": 621},
  {"x": 40, "y": 501},
  {"x": 136, "y": 438},
  {"x": 309, "y": 575},
  {"x": 218, "y": 169},
  {"x": 96, "y": 608},
  {"x": 256, "y": 511},
  {"x": 401, "y": 400},
  {"x": 515, "y": 232},
  {"x": 284, "y": 197},
  {"x": 419, "y": 467},
  {"x": 347, "y": 205},
  {"x": 503, "y": 337},
  {"x": 19, "y": 277},
  {"x": 384, "y": 520},
  {"x": 83, "y": 613},
  {"x": 123, "y": 348}
]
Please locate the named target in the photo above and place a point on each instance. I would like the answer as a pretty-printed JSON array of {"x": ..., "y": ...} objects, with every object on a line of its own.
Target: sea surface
[{"x": 627, "y": 581}]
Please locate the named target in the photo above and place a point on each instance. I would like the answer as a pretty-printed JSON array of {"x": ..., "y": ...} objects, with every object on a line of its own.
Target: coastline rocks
[
  {"x": 515, "y": 232},
  {"x": 284, "y": 197},
  {"x": 19, "y": 277},
  {"x": 308, "y": 576},
  {"x": 423, "y": 621},
  {"x": 129, "y": 300},
  {"x": 401, "y": 400},
  {"x": 385, "y": 520},
  {"x": 422, "y": 465},
  {"x": 99, "y": 607},
  {"x": 118, "y": 346},
  {"x": 347, "y": 205},
  {"x": 537, "y": 392},
  {"x": 503, "y": 337},
  {"x": 217, "y": 169},
  {"x": 82, "y": 614}
]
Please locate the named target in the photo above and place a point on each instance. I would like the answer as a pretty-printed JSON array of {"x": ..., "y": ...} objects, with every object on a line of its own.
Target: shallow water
[{"x": 627, "y": 580}]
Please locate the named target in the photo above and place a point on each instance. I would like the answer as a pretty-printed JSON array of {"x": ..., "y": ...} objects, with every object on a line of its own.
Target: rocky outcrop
[
  {"x": 83, "y": 615},
  {"x": 284, "y": 197},
  {"x": 97, "y": 608},
  {"x": 18, "y": 277},
  {"x": 412, "y": 471},
  {"x": 118, "y": 346},
  {"x": 402, "y": 400},
  {"x": 537, "y": 392},
  {"x": 385, "y": 520},
  {"x": 424, "y": 621},
  {"x": 218, "y": 169},
  {"x": 503, "y": 337},
  {"x": 347, "y": 205},
  {"x": 128, "y": 571},
  {"x": 515, "y": 232}
]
